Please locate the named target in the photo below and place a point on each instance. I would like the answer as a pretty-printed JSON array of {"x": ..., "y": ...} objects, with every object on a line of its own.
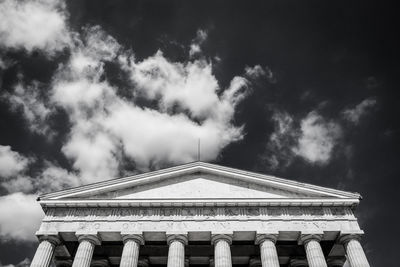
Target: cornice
[{"x": 198, "y": 202}]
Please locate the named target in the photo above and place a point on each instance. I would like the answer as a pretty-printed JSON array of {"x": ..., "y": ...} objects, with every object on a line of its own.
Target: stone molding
[
  {"x": 291, "y": 227},
  {"x": 137, "y": 237},
  {"x": 198, "y": 213},
  {"x": 298, "y": 263},
  {"x": 181, "y": 237},
  {"x": 260, "y": 237},
  {"x": 99, "y": 263},
  {"x": 94, "y": 239},
  {"x": 307, "y": 237},
  {"x": 215, "y": 237}
]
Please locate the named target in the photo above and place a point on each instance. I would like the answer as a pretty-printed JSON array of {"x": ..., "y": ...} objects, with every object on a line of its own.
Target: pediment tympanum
[{"x": 198, "y": 181}]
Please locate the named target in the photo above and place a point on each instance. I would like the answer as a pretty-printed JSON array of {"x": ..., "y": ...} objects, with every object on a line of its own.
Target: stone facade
[{"x": 286, "y": 224}]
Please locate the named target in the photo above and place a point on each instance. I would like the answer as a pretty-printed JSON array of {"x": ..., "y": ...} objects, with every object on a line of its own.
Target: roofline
[
  {"x": 200, "y": 202},
  {"x": 200, "y": 165}
]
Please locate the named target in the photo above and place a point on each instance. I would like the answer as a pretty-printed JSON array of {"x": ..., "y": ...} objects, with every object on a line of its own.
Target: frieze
[{"x": 196, "y": 213}]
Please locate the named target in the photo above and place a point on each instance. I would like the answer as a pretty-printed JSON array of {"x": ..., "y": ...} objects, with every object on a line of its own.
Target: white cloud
[
  {"x": 11, "y": 162},
  {"x": 34, "y": 108},
  {"x": 318, "y": 138},
  {"x": 354, "y": 115},
  {"x": 37, "y": 24},
  {"x": 20, "y": 217},
  {"x": 107, "y": 129},
  {"x": 54, "y": 178},
  {"x": 195, "y": 46},
  {"x": 25, "y": 263},
  {"x": 105, "y": 125},
  {"x": 13, "y": 166},
  {"x": 312, "y": 138},
  {"x": 257, "y": 72},
  {"x": 279, "y": 150},
  {"x": 20, "y": 183}
]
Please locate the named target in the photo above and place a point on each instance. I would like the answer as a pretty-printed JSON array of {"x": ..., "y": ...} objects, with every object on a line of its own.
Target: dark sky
[{"x": 319, "y": 58}]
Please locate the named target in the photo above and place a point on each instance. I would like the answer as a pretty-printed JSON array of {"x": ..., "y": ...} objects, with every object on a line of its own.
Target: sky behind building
[{"x": 301, "y": 90}]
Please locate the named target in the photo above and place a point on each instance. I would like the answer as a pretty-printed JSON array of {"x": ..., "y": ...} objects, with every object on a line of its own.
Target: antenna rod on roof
[{"x": 198, "y": 150}]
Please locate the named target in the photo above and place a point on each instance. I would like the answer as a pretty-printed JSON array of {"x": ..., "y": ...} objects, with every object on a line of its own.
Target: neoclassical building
[{"x": 200, "y": 214}]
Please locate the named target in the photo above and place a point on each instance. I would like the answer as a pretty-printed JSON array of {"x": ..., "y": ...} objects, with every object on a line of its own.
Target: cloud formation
[
  {"x": 354, "y": 114},
  {"x": 195, "y": 46},
  {"x": 25, "y": 263},
  {"x": 33, "y": 106},
  {"x": 20, "y": 218},
  {"x": 11, "y": 162},
  {"x": 318, "y": 138},
  {"x": 312, "y": 138},
  {"x": 172, "y": 105},
  {"x": 38, "y": 24},
  {"x": 257, "y": 72},
  {"x": 107, "y": 127}
]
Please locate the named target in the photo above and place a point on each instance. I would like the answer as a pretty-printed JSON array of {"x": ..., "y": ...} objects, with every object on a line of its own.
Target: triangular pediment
[
  {"x": 198, "y": 181},
  {"x": 198, "y": 186}
]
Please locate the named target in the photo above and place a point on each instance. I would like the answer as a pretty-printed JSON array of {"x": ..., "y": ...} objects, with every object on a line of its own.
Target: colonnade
[{"x": 221, "y": 243}]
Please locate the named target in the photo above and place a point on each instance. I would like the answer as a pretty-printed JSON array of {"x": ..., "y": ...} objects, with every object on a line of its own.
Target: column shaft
[
  {"x": 176, "y": 254},
  {"x": 269, "y": 255},
  {"x": 130, "y": 254},
  {"x": 84, "y": 254},
  {"x": 355, "y": 254},
  {"x": 44, "y": 254},
  {"x": 222, "y": 253},
  {"x": 315, "y": 256}
]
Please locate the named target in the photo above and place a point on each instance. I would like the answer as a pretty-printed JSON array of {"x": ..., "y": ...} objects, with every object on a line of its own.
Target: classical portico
[{"x": 200, "y": 214}]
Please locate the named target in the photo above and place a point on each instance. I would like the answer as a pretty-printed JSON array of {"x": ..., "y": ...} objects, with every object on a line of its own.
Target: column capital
[
  {"x": 304, "y": 238},
  {"x": 180, "y": 237},
  {"x": 345, "y": 237},
  {"x": 135, "y": 236},
  {"x": 261, "y": 237},
  {"x": 223, "y": 236},
  {"x": 53, "y": 239},
  {"x": 94, "y": 239}
]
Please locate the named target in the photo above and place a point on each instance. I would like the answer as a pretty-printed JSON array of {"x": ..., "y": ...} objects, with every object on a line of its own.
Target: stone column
[
  {"x": 354, "y": 250},
  {"x": 83, "y": 256},
  {"x": 130, "y": 252},
  {"x": 222, "y": 250},
  {"x": 315, "y": 256},
  {"x": 45, "y": 251},
  {"x": 269, "y": 255},
  {"x": 176, "y": 251}
]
